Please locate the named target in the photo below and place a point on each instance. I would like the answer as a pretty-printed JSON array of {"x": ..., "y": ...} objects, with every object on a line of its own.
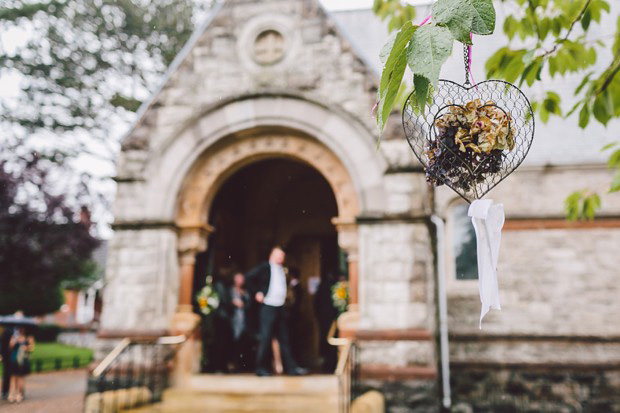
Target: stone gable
[{"x": 259, "y": 47}]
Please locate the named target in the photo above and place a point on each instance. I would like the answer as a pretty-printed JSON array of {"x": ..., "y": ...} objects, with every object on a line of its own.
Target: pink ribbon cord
[
  {"x": 425, "y": 20},
  {"x": 471, "y": 75}
]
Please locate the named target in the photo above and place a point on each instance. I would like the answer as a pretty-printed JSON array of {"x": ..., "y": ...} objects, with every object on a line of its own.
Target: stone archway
[{"x": 213, "y": 167}]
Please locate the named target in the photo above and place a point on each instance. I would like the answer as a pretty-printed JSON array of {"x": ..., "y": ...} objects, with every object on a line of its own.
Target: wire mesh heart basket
[{"x": 471, "y": 138}]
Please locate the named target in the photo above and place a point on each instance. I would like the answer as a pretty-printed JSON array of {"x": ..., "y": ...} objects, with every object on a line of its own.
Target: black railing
[
  {"x": 134, "y": 374},
  {"x": 347, "y": 369},
  {"x": 40, "y": 364}
]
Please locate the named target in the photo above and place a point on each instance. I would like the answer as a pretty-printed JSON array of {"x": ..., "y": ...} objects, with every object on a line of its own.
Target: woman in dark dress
[{"x": 21, "y": 346}]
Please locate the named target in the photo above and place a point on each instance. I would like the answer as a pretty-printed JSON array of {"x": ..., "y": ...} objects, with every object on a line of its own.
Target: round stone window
[{"x": 268, "y": 47}]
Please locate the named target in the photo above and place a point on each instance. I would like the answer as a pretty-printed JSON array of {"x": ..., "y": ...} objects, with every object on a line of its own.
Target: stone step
[
  {"x": 248, "y": 393},
  {"x": 250, "y": 384}
]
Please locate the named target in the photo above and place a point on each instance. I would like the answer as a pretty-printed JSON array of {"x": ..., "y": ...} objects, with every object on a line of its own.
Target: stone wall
[
  {"x": 140, "y": 293},
  {"x": 483, "y": 390},
  {"x": 396, "y": 284},
  {"x": 555, "y": 345},
  {"x": 405, "y": 396}
]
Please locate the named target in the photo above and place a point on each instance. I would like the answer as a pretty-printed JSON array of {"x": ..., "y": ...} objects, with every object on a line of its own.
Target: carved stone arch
[
  {"x": 217, "y": 164},
  {"x": 171, "y": 160}
]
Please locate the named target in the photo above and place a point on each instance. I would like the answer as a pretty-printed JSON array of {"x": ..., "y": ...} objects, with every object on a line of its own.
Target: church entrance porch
[{"x": 275, "y": 201}]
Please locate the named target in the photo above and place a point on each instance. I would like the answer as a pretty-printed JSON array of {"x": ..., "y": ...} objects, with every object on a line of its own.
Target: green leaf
[
  {"x": 600, "y": 110},
  {"x": 584, "y": 116},
  {"x": 457, "y": 16},
  {"x": 590, "y": 205},
  {"x": 421, "y": 88},
  {"x": 465, "y": 16},
  {"x": 615, "y": 182},
  {"x": 510, "y": 27},
  {"x": 392, "y": 74},
  {"x": 614, "y": 159},
  {"x": 484, "y": 17},
  {"x": 585, "y": 20},
  {"x": 387, "y": 48},
  {"x": 571, "y": 205},
  {"x": 609, "y": 146},
  {"x": 583, "y": 82},
  {"x": 429, "y": 48}
]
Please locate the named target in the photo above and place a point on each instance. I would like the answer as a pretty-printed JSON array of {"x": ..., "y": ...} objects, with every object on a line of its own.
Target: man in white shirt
[{"x": 268, "y": 284}]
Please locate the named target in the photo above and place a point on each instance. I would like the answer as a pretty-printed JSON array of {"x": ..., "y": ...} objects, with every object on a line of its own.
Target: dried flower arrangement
[{"x": 471, "y": 137}]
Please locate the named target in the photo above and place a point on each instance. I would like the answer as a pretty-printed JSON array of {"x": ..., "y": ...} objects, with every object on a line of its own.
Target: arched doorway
[{"x": 276, "y": 201}]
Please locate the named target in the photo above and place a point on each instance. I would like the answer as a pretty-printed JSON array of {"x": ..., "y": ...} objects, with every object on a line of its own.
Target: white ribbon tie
[{"x": 488, "y": 220}]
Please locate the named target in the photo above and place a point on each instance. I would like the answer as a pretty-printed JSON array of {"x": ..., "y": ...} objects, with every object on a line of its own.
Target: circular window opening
[{"x": 268, "y": 47}]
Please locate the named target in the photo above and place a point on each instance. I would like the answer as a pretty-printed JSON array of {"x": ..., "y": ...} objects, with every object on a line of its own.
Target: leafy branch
[
  {"x": 570, "y": 29},
  {"x": 424, "y": 49}
]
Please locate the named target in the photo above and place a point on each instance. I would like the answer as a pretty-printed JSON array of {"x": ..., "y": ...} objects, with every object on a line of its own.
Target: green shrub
[{"x": 46, "y": 333}]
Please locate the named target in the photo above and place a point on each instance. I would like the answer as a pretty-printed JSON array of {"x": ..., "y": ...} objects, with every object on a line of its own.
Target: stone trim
[
  {"x": 393, "y": 335},
  {"x": 128, "y": 180},
  {"x": 485, "y": 365},
  {"x": 382, "y": 219},
  {"x": 139, "y": 225},
  {"x": 383, "y": 372},
  {"x": 526, "y": 224},
  {"x": 132, "y": 334},
  {"x": 466, "y": 337},
  {"x": 404, "y": 170}
]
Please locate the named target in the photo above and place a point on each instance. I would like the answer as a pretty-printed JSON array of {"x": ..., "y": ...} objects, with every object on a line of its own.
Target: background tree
[
  {"x": 45, "y": 236},
  {"x": 552, "y": 39},
  {"x": 87, "y": 65},
  {"x": 83, "y": 67}
]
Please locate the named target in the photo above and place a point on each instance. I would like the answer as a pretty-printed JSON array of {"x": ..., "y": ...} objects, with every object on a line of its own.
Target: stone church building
[{"x": 261, "y": 133}]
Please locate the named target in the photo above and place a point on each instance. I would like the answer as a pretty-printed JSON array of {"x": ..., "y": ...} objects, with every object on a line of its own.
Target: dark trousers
[
  {"x": 272, "y": 322},
  {"x": 6, "y": 374}
]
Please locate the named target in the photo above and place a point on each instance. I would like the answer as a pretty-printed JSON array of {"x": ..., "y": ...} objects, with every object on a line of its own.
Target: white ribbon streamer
[{"x": 488, "y": 220}]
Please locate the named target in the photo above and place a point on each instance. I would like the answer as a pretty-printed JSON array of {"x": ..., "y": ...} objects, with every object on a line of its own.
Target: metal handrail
[
  {"x": 344, "y": 368},
  {"x": 108, "y": 360},
  {"x": 345, "y": 343}
]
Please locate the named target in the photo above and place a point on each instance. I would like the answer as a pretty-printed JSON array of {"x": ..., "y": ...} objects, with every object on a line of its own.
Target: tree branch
[{"x": 570, "y": 29}]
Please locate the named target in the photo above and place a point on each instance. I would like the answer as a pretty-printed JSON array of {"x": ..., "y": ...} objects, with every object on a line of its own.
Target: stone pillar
[
  {"x": 347, "y": 240},
  {"x": 191, "y": 241}
]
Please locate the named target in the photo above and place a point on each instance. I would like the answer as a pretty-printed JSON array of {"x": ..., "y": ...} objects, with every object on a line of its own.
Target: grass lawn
[{"x": 52, "y": 356}]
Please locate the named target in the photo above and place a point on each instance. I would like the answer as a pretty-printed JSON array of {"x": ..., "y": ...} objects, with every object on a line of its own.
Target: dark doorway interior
[{"x": 283, "y": 202}]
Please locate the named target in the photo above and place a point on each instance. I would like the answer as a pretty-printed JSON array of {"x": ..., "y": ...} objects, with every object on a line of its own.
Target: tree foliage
[
  {"x": 45, "y": 237},
  {"x": 88, "y": 64},
  {"x": 547, "y": 38}
]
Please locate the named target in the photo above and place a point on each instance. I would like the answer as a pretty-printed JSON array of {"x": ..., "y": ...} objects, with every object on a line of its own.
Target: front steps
[{"x": 248, "y": 393}]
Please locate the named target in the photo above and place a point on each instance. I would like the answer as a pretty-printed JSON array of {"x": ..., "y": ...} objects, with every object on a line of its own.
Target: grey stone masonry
[{"x": 141, "y": 280}]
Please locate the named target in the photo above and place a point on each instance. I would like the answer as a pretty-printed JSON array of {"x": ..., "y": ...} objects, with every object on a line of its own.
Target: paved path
[{"x": 50, "y": 393}]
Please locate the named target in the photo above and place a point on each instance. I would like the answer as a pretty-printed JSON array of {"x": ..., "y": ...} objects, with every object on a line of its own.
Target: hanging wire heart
[{"x": 470, "y": 138}]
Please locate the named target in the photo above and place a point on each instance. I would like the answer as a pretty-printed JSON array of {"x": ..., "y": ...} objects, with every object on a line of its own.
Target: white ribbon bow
[{"x": 488, "y": 220}]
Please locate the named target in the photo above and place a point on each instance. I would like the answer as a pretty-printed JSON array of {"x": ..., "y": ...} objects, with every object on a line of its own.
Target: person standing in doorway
[
  {"x": 239, "y": 300},
  {"x": 5, "y": 352},
  {"x": 267, "y": 283}
]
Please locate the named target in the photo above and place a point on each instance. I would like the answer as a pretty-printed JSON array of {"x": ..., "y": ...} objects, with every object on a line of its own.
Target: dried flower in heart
[{"x": 470, "y": 137}]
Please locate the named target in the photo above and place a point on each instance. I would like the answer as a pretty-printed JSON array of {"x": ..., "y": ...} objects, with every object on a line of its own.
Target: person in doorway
[
  {"x": 5, "y": 351},
  {"x": 21, "y": 346},
  {"x": 268, "y": 286},
  {"x": 295, "y": 313},
  {"x": 239, "y": 300},
  {"x": 221, "y": 345},
  {"x": 326, "y": 314}
]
